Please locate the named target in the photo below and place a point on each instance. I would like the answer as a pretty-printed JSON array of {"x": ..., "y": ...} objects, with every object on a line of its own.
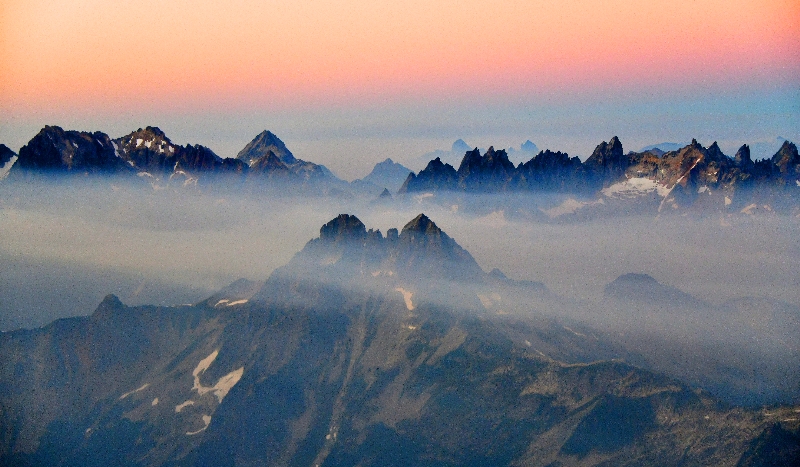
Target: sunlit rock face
[{"x": 691, "y": 179}]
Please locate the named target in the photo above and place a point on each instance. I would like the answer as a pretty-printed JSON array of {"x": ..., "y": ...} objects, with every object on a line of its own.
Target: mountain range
[
  {"x": 364, "y": 349},
  {"x": 692, "y": 178},
  {"x": 459, "y": 147},
  {"x": 149, "y": 154}
]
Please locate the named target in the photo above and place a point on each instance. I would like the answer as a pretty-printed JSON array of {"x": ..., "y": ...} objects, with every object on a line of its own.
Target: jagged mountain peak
[
  {"x": 54, "y": 149},
  {"x": 343, "y": 227},
  {"x": 436, "y": 163},
  {"x": 786, "y": 157},
  {"x": 346, "y": 252},
  {"x": 715, "y": 153},
  {"x": 421, "y": 225},
  {"x": 153, "y": 130},
  {"x": 487, "y": 172},
  {"x": 437, "y": 175},
  {"x": 110, "y": 305},
  {"x": 743, "y": 155},
  {"x": 261, "y": 144},
  {"x": 529, "y": 146},
  {"x": 606, "y": 152},
  {"x": 472, "y": 157},
  {"x": 147, "y": 133}
]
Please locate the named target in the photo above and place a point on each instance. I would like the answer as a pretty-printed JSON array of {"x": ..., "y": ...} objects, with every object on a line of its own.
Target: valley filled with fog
[
  {"x": 68, "y": 243},
  {"x": 65, "y": 246}
]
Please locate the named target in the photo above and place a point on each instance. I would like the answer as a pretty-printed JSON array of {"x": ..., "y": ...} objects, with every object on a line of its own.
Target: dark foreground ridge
[{"x": 348, "y": 355}]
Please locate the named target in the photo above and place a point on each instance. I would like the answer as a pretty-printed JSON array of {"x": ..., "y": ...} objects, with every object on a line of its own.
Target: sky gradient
[{"x": 348, "y": 83}]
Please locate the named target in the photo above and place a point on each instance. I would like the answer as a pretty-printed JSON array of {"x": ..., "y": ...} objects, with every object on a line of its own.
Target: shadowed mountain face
[
  {"x": 5, "y": 154},
  {"x": 436, "y": 176},
  {"x": 349, "y": 356},
  {"x": 57, "y": 151}
]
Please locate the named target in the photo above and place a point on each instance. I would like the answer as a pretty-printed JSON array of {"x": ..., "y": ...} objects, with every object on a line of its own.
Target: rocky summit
[
  {"x": 150, "y": 154},
  {"x": 54, "y": 150},
  {"x": 349, "y": 355},
  {"x": 437, "y": 175},
  {"x": 264, "y": 143},
  {"x": 266, "y": 155},
  {"x": 693, "y": 178}
]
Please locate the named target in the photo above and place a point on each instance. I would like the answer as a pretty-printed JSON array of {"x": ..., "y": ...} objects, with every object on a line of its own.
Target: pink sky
[{"x": 87, "y": 54}]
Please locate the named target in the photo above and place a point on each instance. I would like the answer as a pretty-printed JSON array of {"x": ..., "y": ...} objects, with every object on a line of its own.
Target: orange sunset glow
[{"x": 91, "y": 53}]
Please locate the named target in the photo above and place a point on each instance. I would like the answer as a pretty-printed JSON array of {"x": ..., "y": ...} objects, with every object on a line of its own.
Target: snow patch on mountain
[
  {"x": 134, "y": 391},
  {"x": 406, "y": 297},
  {"x": 634, "y": 188},
  {"x": 183, "y": 405},
  {"x": 224, "y": 384},
  {"x": 206, "y": 421}
]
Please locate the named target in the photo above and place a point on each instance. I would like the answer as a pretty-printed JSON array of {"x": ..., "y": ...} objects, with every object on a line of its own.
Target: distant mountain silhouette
[
  {"x": 643, "y": 288},
  {"x": 387, "y": 175}
]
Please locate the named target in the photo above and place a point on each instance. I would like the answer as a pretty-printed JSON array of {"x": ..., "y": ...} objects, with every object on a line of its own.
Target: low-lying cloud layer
[{"x": 174, "y": 246}]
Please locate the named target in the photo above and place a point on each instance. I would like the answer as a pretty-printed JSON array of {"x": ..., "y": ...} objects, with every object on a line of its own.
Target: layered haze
[{"x": 179, "y": 246}]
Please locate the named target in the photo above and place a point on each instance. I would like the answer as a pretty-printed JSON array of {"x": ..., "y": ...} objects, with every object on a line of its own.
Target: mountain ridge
[
  {"x": 356, "y": 373},
  {"x": 690, "y": 180}
]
